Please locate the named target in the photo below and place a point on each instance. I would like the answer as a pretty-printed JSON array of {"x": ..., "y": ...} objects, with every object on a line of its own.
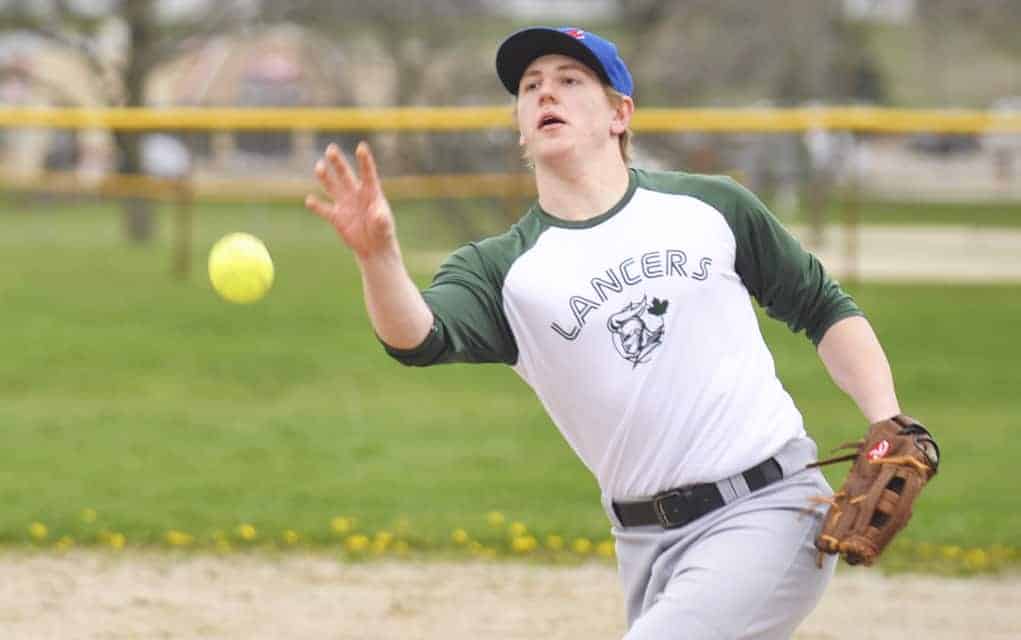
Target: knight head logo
[{"x": 637, "y": 329}]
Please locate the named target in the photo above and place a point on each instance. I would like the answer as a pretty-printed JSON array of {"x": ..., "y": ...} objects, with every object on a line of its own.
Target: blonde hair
[{"x": 623, "y": 140}]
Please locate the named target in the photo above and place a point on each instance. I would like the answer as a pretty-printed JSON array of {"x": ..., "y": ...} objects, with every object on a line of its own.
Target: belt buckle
[{"x": 657, "y": 506}]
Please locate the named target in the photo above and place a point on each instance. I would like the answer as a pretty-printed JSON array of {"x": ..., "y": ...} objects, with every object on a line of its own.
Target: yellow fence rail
[{"x": 863, "y": 119}]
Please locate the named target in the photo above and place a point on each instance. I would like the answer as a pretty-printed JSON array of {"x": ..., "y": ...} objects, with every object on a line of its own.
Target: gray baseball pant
[{"x": 746, "y": 570}]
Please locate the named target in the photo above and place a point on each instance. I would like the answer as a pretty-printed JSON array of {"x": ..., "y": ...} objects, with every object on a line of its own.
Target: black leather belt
[{"x": 677, "y": 507}]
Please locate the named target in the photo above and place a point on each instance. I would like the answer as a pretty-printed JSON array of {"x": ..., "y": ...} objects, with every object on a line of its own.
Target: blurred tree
[
  {"x": 998, "y": 20},
  {"x": 424, "y": 41},
  {"x": 733, "y": 51},
  {"x": 122, "y": 42},
  {"x": 421, "y": 54}
]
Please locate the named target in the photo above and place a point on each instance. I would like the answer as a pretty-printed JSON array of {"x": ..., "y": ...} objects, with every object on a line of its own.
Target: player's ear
[{"x": 623, "y": 109}]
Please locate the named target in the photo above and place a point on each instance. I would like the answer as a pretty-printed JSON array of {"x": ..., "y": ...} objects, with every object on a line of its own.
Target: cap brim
[{"x": 520, "y": 49}]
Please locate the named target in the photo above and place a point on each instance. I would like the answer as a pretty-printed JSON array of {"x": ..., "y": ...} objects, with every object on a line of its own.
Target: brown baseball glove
[{"x": 891, "y": 465}]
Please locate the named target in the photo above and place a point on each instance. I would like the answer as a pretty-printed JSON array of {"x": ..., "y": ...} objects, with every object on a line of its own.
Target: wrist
[
  {"x": 384, "y": 258},
  {"x": 881, "y": 411}
]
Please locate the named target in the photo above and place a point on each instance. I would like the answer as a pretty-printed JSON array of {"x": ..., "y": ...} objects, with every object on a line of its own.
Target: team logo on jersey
[{"x": 637, "y": 329}]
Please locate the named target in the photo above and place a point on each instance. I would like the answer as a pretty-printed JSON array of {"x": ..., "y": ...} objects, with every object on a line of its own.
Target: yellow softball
[{"x": 240, "y": 268}]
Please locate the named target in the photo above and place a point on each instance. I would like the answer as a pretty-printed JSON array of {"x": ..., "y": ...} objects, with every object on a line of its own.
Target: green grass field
[{"x": 152, "y": 405}]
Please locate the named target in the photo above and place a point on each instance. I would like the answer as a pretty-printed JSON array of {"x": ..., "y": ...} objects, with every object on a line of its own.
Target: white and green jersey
[{"x": 636, "y": 329}]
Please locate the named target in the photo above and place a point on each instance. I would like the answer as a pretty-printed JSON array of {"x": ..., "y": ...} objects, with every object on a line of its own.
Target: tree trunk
[{"x": 138, "y": 220}]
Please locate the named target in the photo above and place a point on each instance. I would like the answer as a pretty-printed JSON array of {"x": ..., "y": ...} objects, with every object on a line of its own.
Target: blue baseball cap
[{"x": 521, "y": 48}]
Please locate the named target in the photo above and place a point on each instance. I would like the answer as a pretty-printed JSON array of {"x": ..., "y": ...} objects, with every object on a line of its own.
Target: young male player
[{"x": 622, "y": 298}]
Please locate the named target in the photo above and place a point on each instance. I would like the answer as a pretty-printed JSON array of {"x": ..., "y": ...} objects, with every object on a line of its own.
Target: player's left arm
[
  {"x": 897, "y": 456},
  {"x": 893, "y": 462},
  {"x": 855, "y": 360},
  {"x": 792, "y": 286}
]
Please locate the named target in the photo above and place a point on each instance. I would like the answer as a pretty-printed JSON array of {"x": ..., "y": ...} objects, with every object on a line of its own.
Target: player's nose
[{"x": 546, "y": 95}]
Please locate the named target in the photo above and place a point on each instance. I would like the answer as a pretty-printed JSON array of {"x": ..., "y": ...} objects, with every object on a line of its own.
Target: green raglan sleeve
[
  {"x": 789, "y": 282},
  {"x": 467, "y": 303}
]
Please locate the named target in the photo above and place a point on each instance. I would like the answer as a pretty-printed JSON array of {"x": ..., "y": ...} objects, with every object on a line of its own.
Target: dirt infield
[{"x": 93, "y": 595}]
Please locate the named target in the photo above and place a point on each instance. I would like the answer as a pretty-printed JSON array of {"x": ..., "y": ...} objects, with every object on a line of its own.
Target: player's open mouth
[{"x": 548, "y": 120}]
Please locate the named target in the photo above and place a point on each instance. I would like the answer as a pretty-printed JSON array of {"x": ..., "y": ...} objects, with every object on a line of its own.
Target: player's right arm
[{"x": 362, "y": 217}]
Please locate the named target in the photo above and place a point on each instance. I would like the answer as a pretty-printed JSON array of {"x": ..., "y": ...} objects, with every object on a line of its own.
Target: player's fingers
[
  {"x": 367, "y": 166},
  {"x": 322, "y": 209},
  {"x": 346, "y": 180},
  {"x": 327, "y": 180}
]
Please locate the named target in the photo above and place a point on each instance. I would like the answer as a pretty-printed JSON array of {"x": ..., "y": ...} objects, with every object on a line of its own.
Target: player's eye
[{"x": 530, "y": 86}]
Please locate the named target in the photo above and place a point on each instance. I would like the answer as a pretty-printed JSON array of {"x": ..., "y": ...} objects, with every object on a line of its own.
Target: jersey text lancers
[{"x": 630, "y": 272}]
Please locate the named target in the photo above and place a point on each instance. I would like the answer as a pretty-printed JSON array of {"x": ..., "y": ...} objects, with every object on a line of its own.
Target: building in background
[
  {"x": 279, "y": 66},
  {"x": 572, "y": 12},
  {"x": 890, "y": 11}
]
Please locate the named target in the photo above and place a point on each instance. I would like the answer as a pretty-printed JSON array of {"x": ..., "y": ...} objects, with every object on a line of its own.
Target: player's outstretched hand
[{"x": 359, "y": 210}]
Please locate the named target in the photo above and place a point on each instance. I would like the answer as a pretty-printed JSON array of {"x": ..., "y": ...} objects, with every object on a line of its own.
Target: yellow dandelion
[
  {"x": 177, "y": 538},
  {"x": 88, "y": 516},
  {"x": 951, "y": 552},
  {"x": 459, "y": 536},
  {"x": 290, "y": 536},
  {"x": 517, "y": 529},
  {"x": 475, "y": 547},
  {"x": 554, "y": 542},
  {"x": 247, "y": 532},
  {"x": 117, "y": 540},
  {"x": 381, "y": 542},
  {"x": 495, "y": 519},
  {"x": 341, "y": 525},
  {"x": 64, "y": 543},
  {"x": 581, "y": 545},
  {"x": 356, "y": 543},
  {"x": 524, "y": 544},
  {"x": 976, "y": 559},
  {"x": 605, "y": 549},
  {"x": 38, "y": 531}
]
